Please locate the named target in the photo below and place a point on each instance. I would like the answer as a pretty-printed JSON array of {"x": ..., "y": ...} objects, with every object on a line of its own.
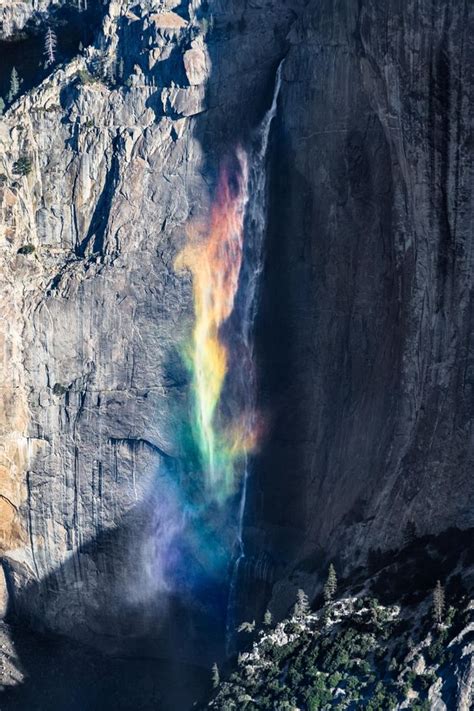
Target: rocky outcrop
[{"x": 355, "y": 652}]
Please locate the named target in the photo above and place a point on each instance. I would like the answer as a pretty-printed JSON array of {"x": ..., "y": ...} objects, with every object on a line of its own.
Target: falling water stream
[
  {"x": 255, "y": 226},
  {"x": 224, "y": 254}
]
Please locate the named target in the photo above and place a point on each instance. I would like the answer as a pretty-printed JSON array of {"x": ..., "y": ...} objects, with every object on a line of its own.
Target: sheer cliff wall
[{"x": 365, "y": 324}]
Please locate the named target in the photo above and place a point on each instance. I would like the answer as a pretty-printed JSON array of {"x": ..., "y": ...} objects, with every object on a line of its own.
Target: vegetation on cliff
[{"x": 353, "y": 653}]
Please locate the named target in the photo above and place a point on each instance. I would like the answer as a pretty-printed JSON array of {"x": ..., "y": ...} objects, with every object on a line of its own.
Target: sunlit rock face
[
  {"x": 124, "y": 144},
  {"x": 363, "y": 327}
]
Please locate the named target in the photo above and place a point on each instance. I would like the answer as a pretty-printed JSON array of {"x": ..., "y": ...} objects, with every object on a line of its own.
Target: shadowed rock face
[
  {"x": 364, "y": 325},
  {"x": 365, "y": 328}
]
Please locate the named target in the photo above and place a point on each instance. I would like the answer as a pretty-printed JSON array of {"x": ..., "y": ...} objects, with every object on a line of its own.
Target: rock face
[
  {"x": 366, "y": 321},
  {"x": 95, "y": 390},
  {"x": 364, "y": 327},
  {"x": 17, "y": 13}
]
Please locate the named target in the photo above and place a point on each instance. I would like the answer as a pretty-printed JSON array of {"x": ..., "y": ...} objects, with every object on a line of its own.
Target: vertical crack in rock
[{"x": 95, "y": 237}]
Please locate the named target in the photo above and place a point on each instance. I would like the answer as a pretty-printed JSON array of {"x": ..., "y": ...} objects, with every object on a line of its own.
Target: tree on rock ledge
[
  {"x": 438, "y": 602},
  {"x": 215, "y": 676},
  {"x": 15, "y": 83},
  {"x": 330, "y": 586},
  {"x": 302, "y": 604},
  {"x": 50, "y": 44}
]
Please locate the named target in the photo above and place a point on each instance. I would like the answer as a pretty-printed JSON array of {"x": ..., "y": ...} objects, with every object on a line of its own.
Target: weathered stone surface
[{"x": 196, "y": 63}]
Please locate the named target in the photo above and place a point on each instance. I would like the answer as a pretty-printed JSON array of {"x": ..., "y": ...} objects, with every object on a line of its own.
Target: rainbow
[{"x": 213, "y": 254}]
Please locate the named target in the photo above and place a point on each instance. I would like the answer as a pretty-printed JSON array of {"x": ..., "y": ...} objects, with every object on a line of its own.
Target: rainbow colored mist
[{"x": 214, "y": 255}]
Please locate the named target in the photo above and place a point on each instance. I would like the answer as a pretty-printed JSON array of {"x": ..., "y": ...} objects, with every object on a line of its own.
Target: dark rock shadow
[
  {"x": 62, "y": 675},
  {"x": 139, "y": 632}
]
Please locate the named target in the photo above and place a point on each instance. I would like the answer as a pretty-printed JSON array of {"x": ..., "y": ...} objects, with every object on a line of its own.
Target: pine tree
[
  {"x": 215, "y": 676},
  {"x": 15, "y": 83},
  {"x": 267, "y": 618},
  {"x": 438, "y": 603},
  {"x": 50, "y": 44},
  {"x": 302, "y": 604},
  {"x": 330, "y": 586},
  {"x": 23, "y": 165},
  {"x": 326, "y": 615}
]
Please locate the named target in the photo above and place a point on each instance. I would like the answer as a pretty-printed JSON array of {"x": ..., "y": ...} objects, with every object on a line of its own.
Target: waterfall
[{"x": 252, "y": 265}]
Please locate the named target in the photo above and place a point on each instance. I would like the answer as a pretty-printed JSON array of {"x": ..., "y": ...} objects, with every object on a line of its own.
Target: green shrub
[
  {"x": 421, "y": 706},
  {"x": 319, "y": 695},
  {"x": 26, "y": 249},
  {"x": 86, "y": 77},
  {"x": 23, "y": 165}
]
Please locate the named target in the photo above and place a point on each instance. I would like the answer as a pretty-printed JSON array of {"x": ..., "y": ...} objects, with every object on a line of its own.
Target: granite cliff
[{"x": 364, "y": 329}]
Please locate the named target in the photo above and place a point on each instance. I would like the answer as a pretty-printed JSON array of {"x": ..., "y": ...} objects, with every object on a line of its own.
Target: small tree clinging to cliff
[
  {"x": 302, "y": 604},
  {"x": 50, "y": 44},
  {"x": 438, "y": 602},
  {"x": 15, "y": 83},
  {"x": 215, "y": 676},
  {"x": 23, "y": 165},
  {"x": 330, "y": 585}
]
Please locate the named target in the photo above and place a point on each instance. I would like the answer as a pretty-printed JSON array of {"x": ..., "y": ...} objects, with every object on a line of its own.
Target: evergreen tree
[
  {"x": 50, "y": 44},
  {"x": 438, "y": 602},
  {"x": 15, "y": 83},
  {"x": 23, "y": 165},
  {"x": 215, "y": 676},
  {"x": 267, "y": 618},
  {"x": 2, "y": 106},
  {"x": 330, "y": 585},
  {"x": 302, "y": 604},
  {"x": 326, "y": 616}
]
